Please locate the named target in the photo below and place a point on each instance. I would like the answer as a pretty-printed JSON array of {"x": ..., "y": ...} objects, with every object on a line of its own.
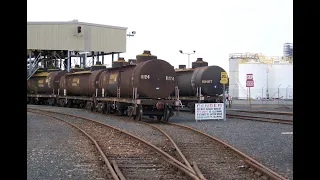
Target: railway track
[
  {"x": 128, "y": 152},
  {"x": 258, "y": 118},
  {"x": 263, "y": 112},
  {"x": 112, "y": 167},
  {"x": 264, "y": 116},
  {"x": 208, "y": 158}
]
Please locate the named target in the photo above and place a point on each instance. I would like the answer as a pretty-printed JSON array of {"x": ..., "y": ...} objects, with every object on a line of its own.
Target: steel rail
[
  {"x": 113, "y": 173},
  {"x": 166, "y": 156},
  {"x": 250, "y": 161}
]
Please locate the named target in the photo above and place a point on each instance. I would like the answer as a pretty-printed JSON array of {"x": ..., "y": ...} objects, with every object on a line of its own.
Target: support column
[
  {"x": 85, "y": 60},
  {"x": 68, "y": 62},
  {"x": 30, "y": 64},
  {"x": 102, "y": 57}
]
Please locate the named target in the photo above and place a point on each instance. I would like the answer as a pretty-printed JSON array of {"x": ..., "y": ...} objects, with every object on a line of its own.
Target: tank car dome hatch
[
  {"x": 52, "y": 69},
  {"x": 119, "y": 63},
  {"x": 76, "y": 68},
  {"x": 199, "y": 63},
  {"x": 145, "y": 56},
  {"x": 97, "y": 66},
  {"x": 182, "y": 66},
  {"x": 132, "y": 61}
]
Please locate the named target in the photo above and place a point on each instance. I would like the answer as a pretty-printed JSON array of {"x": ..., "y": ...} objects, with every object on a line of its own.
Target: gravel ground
[
  {"x": 135, "y": 160},
  {"x": 260, "y": 140},
  {"x": 57, "y": 151},
  {"x": 263, "y": 107},
  {"x": 276, "y": 116}
]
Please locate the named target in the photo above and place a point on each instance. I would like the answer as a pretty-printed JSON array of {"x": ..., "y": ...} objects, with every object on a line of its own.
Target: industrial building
[
  {"x": 55, "y": 43},
  {"x": 272, "y": 75}
]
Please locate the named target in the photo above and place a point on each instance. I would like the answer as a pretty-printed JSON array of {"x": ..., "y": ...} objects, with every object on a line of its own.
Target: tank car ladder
[{"x": 118, "y": 92}]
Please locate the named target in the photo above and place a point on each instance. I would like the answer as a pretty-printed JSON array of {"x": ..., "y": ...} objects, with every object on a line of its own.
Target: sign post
[
  {"x": 249, "y": 84},
  {"x": 224, "y": 81}
]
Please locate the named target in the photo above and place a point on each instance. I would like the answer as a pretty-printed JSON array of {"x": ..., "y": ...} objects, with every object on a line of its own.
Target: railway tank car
[
  {"x": 154, "y": 78},
  {"x": 135, "y": 90},
  {"x": 151, "y": 80},
  {"x": 44, "y": 82},
  {"x": 201, "y": 83}
]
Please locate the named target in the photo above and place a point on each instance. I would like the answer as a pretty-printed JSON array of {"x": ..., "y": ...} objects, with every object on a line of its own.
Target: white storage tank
[
  {"x": 280, "y": 76},
  {"x": 259, "y": 72},
  {"x": 268, "y": 73}
]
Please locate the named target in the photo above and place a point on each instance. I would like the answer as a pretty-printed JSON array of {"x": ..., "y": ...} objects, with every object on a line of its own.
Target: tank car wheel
[
  {"x": 192, "y": 108},
  {"x": 139, "y": 113},
  {"x": 159, "y": 118},
  {"x": 107, "y": 108},
  {"x": 168, "y": 112},
  {"x": 69, "y": 104}
]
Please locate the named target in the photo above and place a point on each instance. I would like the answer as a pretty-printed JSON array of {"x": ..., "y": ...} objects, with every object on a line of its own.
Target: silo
[{"x": 280, "y": 79}]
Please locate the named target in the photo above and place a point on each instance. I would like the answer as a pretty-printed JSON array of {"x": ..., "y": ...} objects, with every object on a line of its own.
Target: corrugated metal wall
[{"x": 65, "y": 37}]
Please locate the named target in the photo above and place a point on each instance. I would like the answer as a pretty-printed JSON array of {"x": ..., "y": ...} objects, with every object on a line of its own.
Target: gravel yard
[
  {"x": 56, "y": 150},
  {"x": 268, "y": 143}
]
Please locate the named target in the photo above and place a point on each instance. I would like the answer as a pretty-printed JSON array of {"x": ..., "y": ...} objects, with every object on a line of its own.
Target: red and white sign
[
  {"x": 250, "y": 83},
  {"x": 249, "y": 77}
]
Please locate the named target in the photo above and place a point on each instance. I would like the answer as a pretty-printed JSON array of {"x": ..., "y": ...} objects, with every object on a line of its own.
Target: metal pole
[
  {"x": 278, "y": 95},
  {"x": 267, "y": 82},
  {"x": 262, "y": 95},
  {"x": 30, "y": 64},
  {"x": 68, "y": 62},
  {"x": 249, "y": 99},
  {"x": 85, "y": 60},
  {"x": 224, "y": 103},
  {"x": 287, "y": 94},
  {"x": 102, "y": 57},
  {"x": 189, "y": 60}
]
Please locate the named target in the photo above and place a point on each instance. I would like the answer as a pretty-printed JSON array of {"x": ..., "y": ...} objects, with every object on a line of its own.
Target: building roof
[{"x": 73, "y": 22}]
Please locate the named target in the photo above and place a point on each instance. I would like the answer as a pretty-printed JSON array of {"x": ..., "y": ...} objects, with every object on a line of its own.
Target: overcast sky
[{"x": 213, "y": 28}]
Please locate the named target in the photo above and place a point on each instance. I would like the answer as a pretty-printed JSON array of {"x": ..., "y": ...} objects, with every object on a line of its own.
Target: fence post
[
  {"x": 262, "y": 95},
  {"x": 278, "y": 95},
  {"x": 287, "y": 95}
]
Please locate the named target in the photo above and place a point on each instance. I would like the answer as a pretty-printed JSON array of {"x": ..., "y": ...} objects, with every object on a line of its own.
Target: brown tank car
[
  {"x": 45, "y": 82},
  {"x": 154, "y": 78},
  {"x": 82, "y": 82}
]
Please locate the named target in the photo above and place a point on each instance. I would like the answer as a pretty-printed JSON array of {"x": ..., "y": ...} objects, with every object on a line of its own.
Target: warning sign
[{"x": 208, "y": 111}]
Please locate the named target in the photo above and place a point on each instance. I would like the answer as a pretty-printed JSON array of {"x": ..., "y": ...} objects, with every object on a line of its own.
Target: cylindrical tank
[
  {"x": 153, "y": 79},
  {"x": 280, "y": 76},
  {"x": 199, "y": 63},
  {"x": 208, "y": 78},
  {"x": 145, "y": 56},
  {"x": 45, "y": 82},
  {"x": 82, "y": 83}
]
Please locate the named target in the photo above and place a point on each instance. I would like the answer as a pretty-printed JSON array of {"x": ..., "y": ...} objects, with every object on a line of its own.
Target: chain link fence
[{"x": 262, "y": 98}]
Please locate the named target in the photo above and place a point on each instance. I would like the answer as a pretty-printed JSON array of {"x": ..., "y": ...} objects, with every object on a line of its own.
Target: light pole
[
  {"x": 130, "y": 34},
  {"x": 188, "y": 55},
  {"x": 267, "y": 81}
]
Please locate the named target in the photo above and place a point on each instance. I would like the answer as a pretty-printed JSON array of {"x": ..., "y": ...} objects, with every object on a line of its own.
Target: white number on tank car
[
  {"x": 145, "y": 76},
  {"x": 169, "y": 78},
  {"x": 206, "y": 81}
]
